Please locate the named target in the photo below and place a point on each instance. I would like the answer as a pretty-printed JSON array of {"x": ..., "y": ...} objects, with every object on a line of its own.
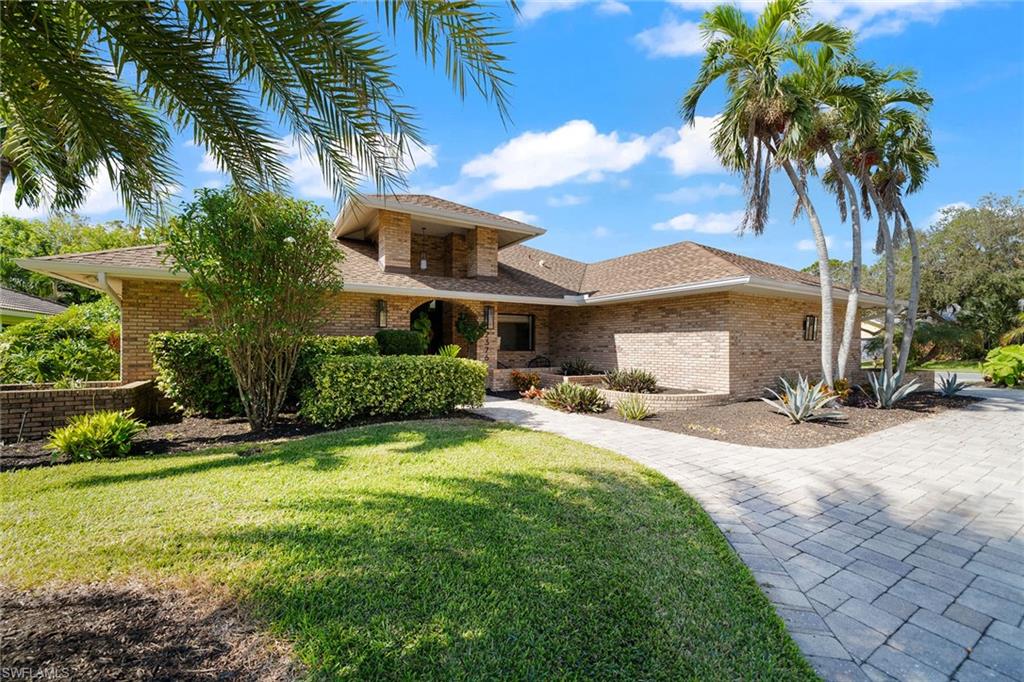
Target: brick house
[{"x": 697, "y": 317}]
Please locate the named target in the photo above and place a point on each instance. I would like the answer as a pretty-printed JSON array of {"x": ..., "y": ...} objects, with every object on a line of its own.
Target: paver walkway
[{"x": 895, "y": 555}]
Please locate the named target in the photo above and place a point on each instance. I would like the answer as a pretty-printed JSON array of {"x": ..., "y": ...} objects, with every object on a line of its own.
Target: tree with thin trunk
[
  {"x": 96, "y": 86},
  {"x": 767, "y": 118}
]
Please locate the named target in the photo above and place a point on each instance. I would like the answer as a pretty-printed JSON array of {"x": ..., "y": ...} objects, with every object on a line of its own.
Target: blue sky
[{"x": 595, "y": 152}]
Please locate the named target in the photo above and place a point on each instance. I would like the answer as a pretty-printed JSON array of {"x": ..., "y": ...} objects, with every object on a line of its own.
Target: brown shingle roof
[
  {"x": 26, "y": 303},
  {"x": 427, "y": 201},
  {"x": 522, "y": 270}
]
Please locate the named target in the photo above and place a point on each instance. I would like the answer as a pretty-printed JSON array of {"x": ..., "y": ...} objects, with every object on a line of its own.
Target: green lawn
[
  {"x": 940, "y": 366},
  {"x": 448, "y": 550}
]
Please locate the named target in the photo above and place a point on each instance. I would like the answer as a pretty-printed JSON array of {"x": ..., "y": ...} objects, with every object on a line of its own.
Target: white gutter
[
  {"x": 109, "y": 290},
  {"x": 44, "y": 266},
  {"x": 662, "y": 292}
]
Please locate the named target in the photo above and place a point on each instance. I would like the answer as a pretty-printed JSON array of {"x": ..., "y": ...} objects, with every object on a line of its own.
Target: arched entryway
[{"x": 433, "y": 312}]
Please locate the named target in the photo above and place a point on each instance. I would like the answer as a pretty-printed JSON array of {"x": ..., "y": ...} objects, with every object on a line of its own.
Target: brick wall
[
  {"x": 394, "y": 241},
  {"x": 482, "y": 252},
  {"x": 455, "y": 255},
  {"x": 32, "y": 411},
  {"x": 766, "y": 341},
  {"x": 683, "y": 341},
  {"x": 541, "y": 335},
  {"x": 356, "y": 314},
  {"x": 147, "y": 307},
  {"x": 435, "y": 249}
]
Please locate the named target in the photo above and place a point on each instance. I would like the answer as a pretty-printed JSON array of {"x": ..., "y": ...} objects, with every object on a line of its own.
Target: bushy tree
[
  {"x": 262, "y": 268},
  {"x": 51, "y": 237}
]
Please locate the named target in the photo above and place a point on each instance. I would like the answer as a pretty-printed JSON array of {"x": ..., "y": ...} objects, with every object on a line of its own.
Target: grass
[
  {"x": 447, "y": 550},
  {"x": 939, "y": 365}
]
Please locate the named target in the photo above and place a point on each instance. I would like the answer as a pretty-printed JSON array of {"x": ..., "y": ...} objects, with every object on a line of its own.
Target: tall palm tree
[
  {"x": 837, "y": 88},
  {"x": 907, "y": 156},
  {"x": 767, "y": 118},
  {"x": 87, "y": 84},
  {"x": 869, "y": 152}
]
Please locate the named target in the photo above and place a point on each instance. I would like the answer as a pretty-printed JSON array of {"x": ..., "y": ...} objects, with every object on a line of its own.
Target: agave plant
[
  {"x": 888, "y": 390},
  {"x": 802, "y": 402},
  {"x": 949, "y": 386}
]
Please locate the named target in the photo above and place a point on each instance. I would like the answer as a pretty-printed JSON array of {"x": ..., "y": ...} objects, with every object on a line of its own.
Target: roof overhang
[
  {"x": 357, "y": 216},
  {"x": 105, "y": 279},
  {"x": 27, "y": 314}
]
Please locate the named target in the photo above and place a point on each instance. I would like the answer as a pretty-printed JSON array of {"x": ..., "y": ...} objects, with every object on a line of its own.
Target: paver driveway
[{"x": 896, "y": 555}]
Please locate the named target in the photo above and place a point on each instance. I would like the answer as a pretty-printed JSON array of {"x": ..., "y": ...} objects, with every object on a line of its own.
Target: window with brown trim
[{"x": 516, "y": 331}]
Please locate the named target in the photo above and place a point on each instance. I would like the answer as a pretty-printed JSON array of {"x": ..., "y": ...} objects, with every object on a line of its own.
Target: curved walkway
[{"x": 898, "y": 555}]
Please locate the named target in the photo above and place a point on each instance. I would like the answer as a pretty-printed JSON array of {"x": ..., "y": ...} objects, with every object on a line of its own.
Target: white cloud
[
  {"x": 209, "y": 164},
  {"x": 610, "y": 7},
  {"x": 689, "y": 195},
  {"x": 521, "y": 216},
  {"x": 101, "y": 200},
  {"x": 709, "y": 223},
  {"x": 692, "y": 152},
  {"x": 600, "y": 232},
  {"x": 531, "y": 10},
  {"x": 567, "y": 200},
  {"x": 573, "y": 151},
  {"x": 868, "y": 17},
  {"x": 671, "y": 38},
  {"x": 421, "y": 157},
  {"x": 937, "y": 216},
  {"x": 809, "y": 245}
]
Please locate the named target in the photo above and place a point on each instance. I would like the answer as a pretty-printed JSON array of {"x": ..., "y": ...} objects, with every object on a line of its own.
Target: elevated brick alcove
[{"x": 30, "y": 411}]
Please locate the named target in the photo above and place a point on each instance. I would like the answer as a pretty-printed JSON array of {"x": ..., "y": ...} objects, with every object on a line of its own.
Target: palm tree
[
  {"x": 767, "y": 119},
  {"x": 86, "y": 84},
  {"x": 868, "y": 152},
  {"x": 907, "y": 156},
  {"x": 844, "y": 106}
]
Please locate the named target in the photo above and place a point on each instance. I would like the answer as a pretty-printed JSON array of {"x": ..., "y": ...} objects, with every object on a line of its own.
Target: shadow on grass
[
  {"x": 323, "y": 452},
  {"x": 569, "y": 573}
]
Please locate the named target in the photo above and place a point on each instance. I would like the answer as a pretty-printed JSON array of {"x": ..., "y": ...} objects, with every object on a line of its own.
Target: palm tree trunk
[
  {"x": 890, "y": 274},
  {"x": 850, "y": 322},
  {"x": 915, "y": 289},
  {"x": 824, "y": 273}
]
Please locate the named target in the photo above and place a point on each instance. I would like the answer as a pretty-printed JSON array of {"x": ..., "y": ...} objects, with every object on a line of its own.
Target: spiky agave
[
  {"x": 949, "y": 386},
  {"x": 802, "y": 402},
  {"x": 889, "y": 390}
]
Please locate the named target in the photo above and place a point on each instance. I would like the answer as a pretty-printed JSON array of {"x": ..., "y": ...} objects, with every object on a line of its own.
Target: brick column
[
  {"x": 394, "y": 241},
  {"x": 482, "y": 252},
  {"x": 454, "y": 255}
]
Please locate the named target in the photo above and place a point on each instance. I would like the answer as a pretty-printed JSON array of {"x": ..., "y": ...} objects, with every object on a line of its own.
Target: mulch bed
[
  {"x": 755, "y": 423},
  {"x": 134, "y": 631}
]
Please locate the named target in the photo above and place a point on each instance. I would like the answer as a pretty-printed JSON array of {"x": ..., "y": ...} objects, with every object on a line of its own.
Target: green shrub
[
  {"x": 357, "y": 388},
  {"x": 578, "y": 367},
  {"x": 79, "y": 344},
  {"x": 632, "y": 381},
  {"x": 524, "y": 381},
  {"x": 194, "y": 372},
  {"x": 633, "y": 408},
  {"x": 574, "y": 398},
  {"x": 1005, "y": 365},
  {"x": 316, "y": 349},
  {"x": 96, "y": 435},
  {"x": 400, "y": 342}
]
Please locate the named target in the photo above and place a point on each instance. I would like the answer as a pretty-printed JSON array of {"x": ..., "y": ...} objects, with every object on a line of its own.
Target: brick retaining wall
[
  {"x": 668, "y": 402},
  {"x": 33, "y": 410}
]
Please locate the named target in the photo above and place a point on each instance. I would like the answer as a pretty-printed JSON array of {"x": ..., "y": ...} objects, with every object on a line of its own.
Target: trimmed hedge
[
  {"x": 401, "y": 342},
  {"x": 194, "y": 373},
  {"x": 400, "y": 386}
]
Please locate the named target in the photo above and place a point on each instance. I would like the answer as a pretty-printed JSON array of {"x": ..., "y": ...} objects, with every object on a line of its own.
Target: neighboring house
[
  {"x": 698, "y": 317},
  {"x": 17, "y": 307}
]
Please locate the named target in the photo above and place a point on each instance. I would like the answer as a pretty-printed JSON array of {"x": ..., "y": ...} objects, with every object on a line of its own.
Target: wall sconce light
[
  {"x": 423, "y": 251},
  {"x": 489, "y": 316},
  {"x": 810, "y": 328},
  {"x": 382, "y": 313}
]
